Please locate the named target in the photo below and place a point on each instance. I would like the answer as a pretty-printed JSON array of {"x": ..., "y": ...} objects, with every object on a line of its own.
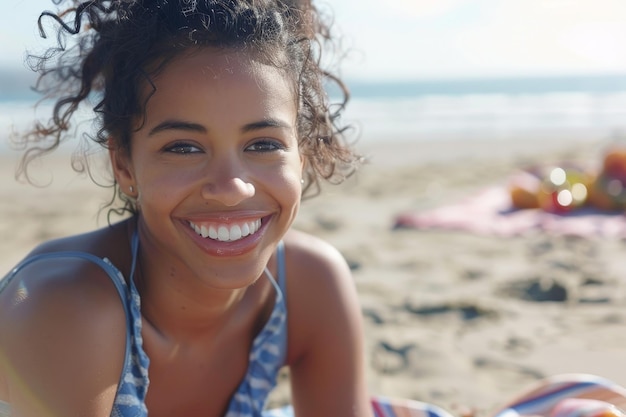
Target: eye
[
  {"x": 265, "y": 145},
  {"x": 182, "y": 148}
]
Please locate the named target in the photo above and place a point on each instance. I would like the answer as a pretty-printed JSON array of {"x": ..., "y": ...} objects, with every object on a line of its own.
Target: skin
[{"x": 218, "y": 147}]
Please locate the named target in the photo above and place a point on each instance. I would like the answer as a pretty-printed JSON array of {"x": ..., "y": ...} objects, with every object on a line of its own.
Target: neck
[
  {"x": 183, "y": 308},
  {"x": 179, "y": 304}
]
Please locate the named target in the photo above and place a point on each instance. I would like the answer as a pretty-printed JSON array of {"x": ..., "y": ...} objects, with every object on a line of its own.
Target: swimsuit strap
[
  {"x": 104, "y": 264},
  {"x": 134, "y": 249},
  {"x": 282, "y": 283},
  {"x": 282, "y": 275},
  {"x": 279, "y": 283},
  {"x": 132, "y": 390}
]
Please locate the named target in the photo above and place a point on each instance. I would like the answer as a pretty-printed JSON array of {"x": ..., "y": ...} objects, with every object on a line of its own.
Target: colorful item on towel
[
  {"x": 391, "y": 407},
  {"x": 568, "y": 186},
  {"x": 384, "y": 407},
  {"x": 490, "y": 212}
]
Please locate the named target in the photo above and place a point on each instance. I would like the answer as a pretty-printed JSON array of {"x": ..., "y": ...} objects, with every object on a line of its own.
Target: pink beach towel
[{"x": 490, "y": 212}]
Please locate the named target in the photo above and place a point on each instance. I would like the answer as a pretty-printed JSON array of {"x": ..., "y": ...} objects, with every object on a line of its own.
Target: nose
[{"x": 227, "y": 185}]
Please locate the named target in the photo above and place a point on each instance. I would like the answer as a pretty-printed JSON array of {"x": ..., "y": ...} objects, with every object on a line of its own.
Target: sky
[{"x": 425, "y": 39}]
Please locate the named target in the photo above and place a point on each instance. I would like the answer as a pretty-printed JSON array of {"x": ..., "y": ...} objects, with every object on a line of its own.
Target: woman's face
[{"x": 215, "y": 167}]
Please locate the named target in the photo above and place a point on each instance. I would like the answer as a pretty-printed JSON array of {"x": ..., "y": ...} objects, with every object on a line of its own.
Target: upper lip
[{"x": 226, "y": 218}]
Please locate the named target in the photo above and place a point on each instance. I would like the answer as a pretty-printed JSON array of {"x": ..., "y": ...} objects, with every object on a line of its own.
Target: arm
[
  {"x": 325, "y": 334},
  {"x": 62, "y": 340}
]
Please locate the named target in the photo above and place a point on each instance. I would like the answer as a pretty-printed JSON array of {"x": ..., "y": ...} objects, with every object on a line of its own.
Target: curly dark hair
[{"x": 121, "y": 44}]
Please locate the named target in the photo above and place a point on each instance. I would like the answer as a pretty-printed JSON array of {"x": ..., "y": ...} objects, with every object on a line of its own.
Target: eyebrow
[
  {"x": 198, "y": 128},
  {"x": 177, "y": 125},
  {"x": 265, "y": 123}
]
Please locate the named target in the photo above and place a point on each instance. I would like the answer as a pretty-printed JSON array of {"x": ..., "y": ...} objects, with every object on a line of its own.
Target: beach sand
[{"x": 447, "y": 315}]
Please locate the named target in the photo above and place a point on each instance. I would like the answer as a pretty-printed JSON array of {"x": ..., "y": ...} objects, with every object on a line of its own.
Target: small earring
[
  {"x": 132, "y": 190},
  {"x": 302, "y": 181}
]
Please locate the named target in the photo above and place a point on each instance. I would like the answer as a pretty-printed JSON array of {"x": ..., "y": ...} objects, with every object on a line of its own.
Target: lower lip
[{"x": 234, "y": 248}]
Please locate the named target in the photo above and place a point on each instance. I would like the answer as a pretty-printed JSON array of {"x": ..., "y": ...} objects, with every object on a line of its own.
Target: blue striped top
[{"x": 266, "y": 357}]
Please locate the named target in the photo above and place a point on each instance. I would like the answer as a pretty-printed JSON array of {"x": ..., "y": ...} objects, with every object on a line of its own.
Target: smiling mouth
[{"x": 227, "y": 232}]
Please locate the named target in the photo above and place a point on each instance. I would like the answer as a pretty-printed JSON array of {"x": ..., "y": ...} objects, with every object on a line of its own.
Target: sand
[{"x": 449, "y": 316}]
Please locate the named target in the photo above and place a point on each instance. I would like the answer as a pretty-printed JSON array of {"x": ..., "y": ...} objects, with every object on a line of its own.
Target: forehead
[
  {"x": 219, "y": 88},
  {"x": 221, "y": 70}
]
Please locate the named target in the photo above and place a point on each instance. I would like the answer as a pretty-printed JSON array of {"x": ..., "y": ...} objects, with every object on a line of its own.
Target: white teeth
[
  {"x": 225, "y": 233},
  {"x": 235, "y": 233},
  {"x": 222, "y": 234}
]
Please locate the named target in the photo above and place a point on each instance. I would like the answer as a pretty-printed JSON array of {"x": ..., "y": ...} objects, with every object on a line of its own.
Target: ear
[{"x": 122, "y": 168}]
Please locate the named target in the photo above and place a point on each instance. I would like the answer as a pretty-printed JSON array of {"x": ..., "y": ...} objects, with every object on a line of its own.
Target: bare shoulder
[
  {"x": 313, "y": 258},
  {"x": 61, "y": 322},
  {"x": 325, "y": 331},
  {"x": 322, "y": 296},
  {"x": 56, "y": 291},
  {"x": 56, "y": 296},
  {"x": 64, "y": 275}
]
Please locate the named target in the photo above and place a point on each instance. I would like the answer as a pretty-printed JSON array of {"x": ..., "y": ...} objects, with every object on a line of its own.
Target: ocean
[
  {"x": 426, "y": 110},
  {"x": 496, "y": 108}
]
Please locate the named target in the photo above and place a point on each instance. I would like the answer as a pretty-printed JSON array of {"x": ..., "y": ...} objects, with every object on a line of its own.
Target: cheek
[
  {"x": 164, "y": 186},
  {"x": 291, "y": 176},
  {"x": 292, "y": 190},
  {"x": 281, "y": 182},
  {"x": 293, "y": 187}
]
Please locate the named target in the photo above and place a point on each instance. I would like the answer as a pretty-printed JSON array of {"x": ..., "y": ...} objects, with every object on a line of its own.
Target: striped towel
[
  {"x": 570, "y": 395},
  {"x": 383, "y": 407},
  {"x": 389, "y": 407}
]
